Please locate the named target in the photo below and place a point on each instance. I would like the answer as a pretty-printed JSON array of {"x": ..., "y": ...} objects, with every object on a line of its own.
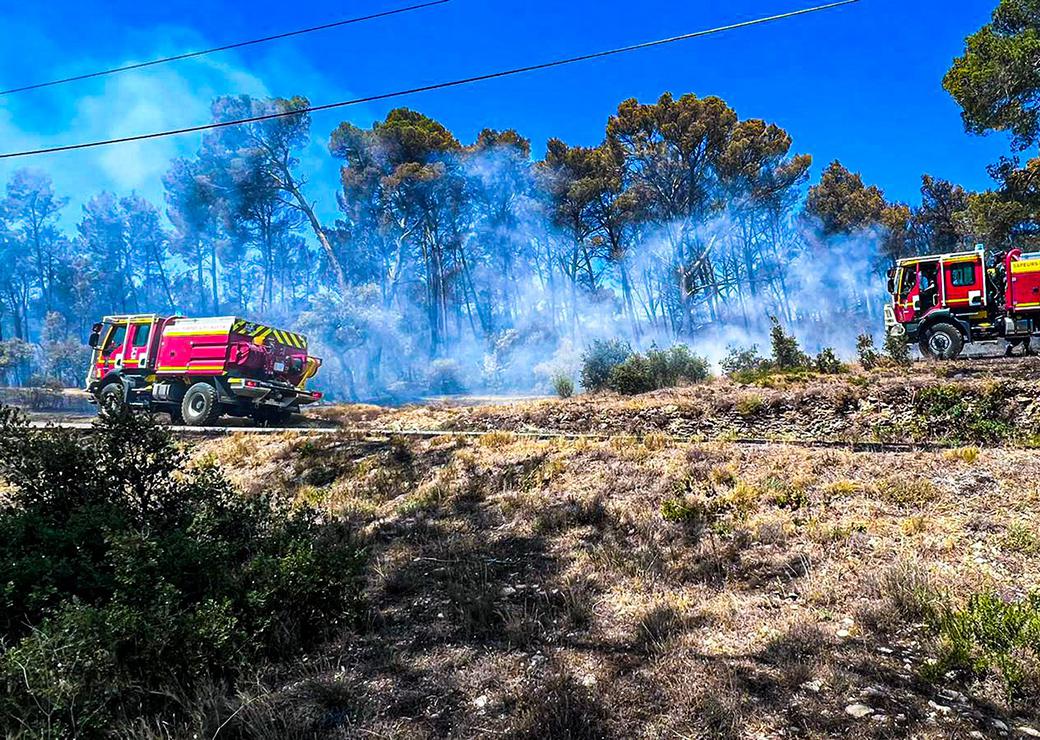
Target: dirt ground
[{"x": 648, "y": 588}]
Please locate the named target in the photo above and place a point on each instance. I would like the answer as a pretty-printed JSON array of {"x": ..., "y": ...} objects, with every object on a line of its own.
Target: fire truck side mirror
[{"x": 95, "y": 335}]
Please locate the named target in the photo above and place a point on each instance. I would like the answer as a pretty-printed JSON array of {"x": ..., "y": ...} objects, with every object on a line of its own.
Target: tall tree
[
  {"x": 997, "y": 79},
  {"x": 32, "y": 208}
]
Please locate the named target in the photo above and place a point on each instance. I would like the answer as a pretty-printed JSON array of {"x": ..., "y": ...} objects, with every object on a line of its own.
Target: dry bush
[
  {"x": 909, "y": 589},
  {"x": 572, "y": 511},
  {"x": 496, "y": 440},
  {"x": 907, "y": 491},
  {"x": 560, "y": 708},
  {"x": 706, "y": 700},
  {"x": 657, "y": 626},
  {"x": 964, "y": 454}
]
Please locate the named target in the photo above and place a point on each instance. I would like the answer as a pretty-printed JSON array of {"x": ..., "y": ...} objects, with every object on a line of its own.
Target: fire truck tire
[
  {"x": 201, "y": 406},
  {"x": 111, "y": 397},
  {"x": 942, "y": 341}
]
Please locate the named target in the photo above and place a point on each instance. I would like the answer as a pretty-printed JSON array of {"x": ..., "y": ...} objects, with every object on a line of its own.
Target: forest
[{"x": 473, "y": 266}]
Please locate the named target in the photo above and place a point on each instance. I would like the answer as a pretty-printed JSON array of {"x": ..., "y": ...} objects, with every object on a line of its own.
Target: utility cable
[
  {"x": 227, "y": 47},
  {"x": 426, "y": 88}
]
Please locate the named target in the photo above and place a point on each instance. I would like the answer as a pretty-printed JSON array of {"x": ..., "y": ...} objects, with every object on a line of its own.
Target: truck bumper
[{"x": 267, "y": 393}]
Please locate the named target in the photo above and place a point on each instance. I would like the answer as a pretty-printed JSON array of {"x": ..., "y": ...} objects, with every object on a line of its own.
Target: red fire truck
[
  {"x": 944, "y": 302},
  {"x": 199, "y": 369}
]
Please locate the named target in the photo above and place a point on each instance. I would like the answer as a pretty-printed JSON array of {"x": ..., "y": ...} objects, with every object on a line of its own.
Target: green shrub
[
  {"x": 563, "y": 385},
  {"x": 743, "y": 360},
  {"x": 990, "y": 635},
  {"x": 632, "y": 377},
  {"x": 787, "y": 355},
  {"x": 896, "y": 350},
  {"x": 129, "y": 579},
  {"x": 868, "y": 354},
  {"x": 828, "y": 363},
  {"x": 599, "y": 359},
  {"x": 953, "y": 413},
  {"x": 676, "y": 366},
  {"x": 642, "y": 373}
]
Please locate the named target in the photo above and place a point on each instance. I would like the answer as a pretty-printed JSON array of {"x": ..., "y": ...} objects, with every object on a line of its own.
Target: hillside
[{"x": 649, "y": 588}]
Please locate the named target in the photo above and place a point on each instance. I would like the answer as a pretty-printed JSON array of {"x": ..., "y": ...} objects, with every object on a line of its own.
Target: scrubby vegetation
[
  {"x": 746, "y": 366},
  {"x": 133, "y": 583},
  {"x": 981, "y": 637},
  {"x": 612, "y": 365}
]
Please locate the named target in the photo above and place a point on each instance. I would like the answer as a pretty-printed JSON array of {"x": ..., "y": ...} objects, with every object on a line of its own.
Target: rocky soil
[{"x": 657, "y": 588}]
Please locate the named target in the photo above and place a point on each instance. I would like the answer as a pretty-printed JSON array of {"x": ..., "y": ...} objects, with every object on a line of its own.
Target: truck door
[
  {"x": 964, "y": 287},
  {"x": 138, "y": 354},
  {"x": 113, "y": 349},
  {"x": 907, "y": 303}
]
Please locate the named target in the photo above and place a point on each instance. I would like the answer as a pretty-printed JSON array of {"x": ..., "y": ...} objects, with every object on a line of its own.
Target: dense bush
[
  {"x": 632, "y": 377},
  {"x": 657, "y": 369},
  {"x": 599, "y": 359},
  {"x": 129, "y": 579}
]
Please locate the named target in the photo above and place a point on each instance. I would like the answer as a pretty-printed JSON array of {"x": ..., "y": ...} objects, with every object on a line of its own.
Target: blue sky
[{"x": 862, "y": 83}]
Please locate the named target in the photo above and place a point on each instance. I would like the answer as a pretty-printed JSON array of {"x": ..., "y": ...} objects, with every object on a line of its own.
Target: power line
[
  {"x": 428, "y": 88},
  {"x": 227, "y": 47}
]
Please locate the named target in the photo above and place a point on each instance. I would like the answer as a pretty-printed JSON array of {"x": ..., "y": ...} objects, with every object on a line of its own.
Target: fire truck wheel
[
  {"x": 111, "y": 397},
  {"x": 942, "y": 342},
  {"x": 201, "y": 406}
]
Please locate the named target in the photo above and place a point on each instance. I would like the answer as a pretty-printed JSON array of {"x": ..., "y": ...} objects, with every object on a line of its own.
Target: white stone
[{"x": 858, "y": 710}]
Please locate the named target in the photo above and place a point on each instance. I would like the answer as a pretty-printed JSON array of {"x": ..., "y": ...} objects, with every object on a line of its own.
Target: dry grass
[{"x": 646, "y": 588}]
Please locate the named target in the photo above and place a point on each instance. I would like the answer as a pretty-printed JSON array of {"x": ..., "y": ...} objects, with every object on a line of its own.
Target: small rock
[
  {"x": 858, "y": 710},
  {"x": 951, "y": 695},
  {"x": 941, "y": 708},
  {"x": 813, "y": 686},
  {"x": 842, "y": 633},
  {"x": 588, "y": 680},
  {"x": 507, "y": 591},
  {"x": 481, "y": 701},
  {"x": 1000, "y": 725},
  {"x": 1026, "y": 730}
]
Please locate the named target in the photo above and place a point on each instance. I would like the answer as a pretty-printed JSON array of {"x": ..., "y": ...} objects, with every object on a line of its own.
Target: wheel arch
[{"x": 945, "y": 317}]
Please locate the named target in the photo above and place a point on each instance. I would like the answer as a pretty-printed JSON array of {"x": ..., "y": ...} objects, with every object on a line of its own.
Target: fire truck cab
[
  {"x": 200, "y": 369},
  {"x": 944, "y": 302}
]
